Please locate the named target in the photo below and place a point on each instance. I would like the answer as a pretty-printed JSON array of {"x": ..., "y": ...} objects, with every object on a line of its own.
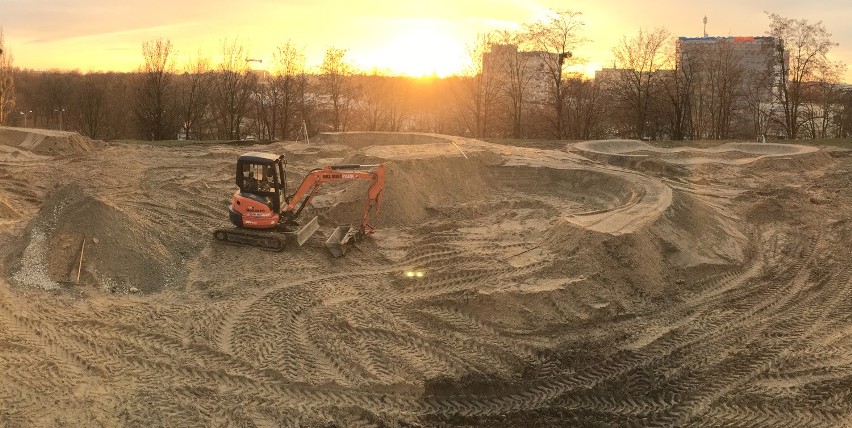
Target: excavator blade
[
  {"x": 340, "y": 239},
  {"x": 305, "y": 232}
]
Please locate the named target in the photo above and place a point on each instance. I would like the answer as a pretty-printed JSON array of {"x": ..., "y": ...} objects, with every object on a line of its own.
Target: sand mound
[
  {"x": 614, "y": 147},
  {"x": 359, "y": 140},
  {"x": 458, "y": 188},
  {"x": 808, "y": 161},
  {"x": 776, "y": 203},
  {"x": 118, "y": 253},
  {"x": 688, "y": 235},
  {"x": 414, "y": 190},
  {"x": 729, "y": 153},
  {"x": 11, "y": 154},
  {"x": 47, "y": 142}
]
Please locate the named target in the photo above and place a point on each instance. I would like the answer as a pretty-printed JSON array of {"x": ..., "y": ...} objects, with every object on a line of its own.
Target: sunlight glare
[
  {"x": 587, "y": 70},
  {"x": 423, "y": 50}
]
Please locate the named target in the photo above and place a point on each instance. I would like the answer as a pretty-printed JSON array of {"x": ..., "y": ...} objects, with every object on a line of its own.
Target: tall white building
[
  {"x": 754, "y": 58},
  {"x": 529, "y": 69}
]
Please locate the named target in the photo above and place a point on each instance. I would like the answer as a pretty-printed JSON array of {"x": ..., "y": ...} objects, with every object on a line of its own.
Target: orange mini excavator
[{"x": 265, "y": 216}]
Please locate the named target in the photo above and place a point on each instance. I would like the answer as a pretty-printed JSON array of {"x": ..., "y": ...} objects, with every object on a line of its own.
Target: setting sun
[
  {"x": 422, "y": 49},
  {"x": 586, "y": 70}
]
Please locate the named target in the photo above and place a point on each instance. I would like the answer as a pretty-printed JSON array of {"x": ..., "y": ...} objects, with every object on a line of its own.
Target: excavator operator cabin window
[
  {"x": 251, "y": 177},
  {"x": 258, "y": 177},
  {"x": 266, "y": 178}
]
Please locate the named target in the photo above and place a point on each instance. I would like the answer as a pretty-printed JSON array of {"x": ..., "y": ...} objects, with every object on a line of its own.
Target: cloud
[{"x": 90, "y": 36}]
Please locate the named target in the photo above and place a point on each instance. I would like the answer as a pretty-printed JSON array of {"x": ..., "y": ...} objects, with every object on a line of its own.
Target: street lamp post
[
  {"x": 25, "y": 117},
  {"x": 60, "y": 117}
]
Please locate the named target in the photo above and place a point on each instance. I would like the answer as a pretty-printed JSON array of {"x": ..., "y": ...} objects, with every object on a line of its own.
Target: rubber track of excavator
[{"x": 268, "y": 241}]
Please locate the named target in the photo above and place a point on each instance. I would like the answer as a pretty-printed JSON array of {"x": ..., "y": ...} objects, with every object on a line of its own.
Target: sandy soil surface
[
  {"x": 729, "y": 153},
  {"x": 569, "y": 287}
]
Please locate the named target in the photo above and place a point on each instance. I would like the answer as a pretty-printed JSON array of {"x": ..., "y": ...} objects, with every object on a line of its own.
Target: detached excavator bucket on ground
[{"x": 341, "y": 239}]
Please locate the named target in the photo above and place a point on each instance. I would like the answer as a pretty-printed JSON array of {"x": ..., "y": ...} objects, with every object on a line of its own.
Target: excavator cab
[
  {"x": 263, "y": 175},
  {"x": 259, "y": 203},
  {"x": 262, "y": 184}
]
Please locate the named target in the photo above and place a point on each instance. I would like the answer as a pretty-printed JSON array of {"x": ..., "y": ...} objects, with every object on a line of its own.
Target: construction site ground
[{"x": 603, "y": 283}]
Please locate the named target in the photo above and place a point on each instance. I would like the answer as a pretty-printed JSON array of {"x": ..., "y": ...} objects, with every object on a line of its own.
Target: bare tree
[
  {"x": 432, "y": 98},
  {"x": 677, "y": 88},
  {"x": 289, "y": 70},
  {"x": 477, "y": 90},
  {"x": 716, "y": 87},
  {"x": 514, "y": 71},
  {"x": 758, "y": 87},
  {"x": 822, "y": 103},
  {"x": 194, "y": 96},
  {"x": 845, "y": 120},
  {"x": 373, "y": 110},
  {"x": 155, "y": 106},
  {"x": 89, "y": 105},
  {"x": 335, "y": 80},
  {"x": 306, "y": 104},
  {"x": 7, "y": 81},
  {"x": 802, "y": 58},
  {"x": 264, "y": 100},
  {"x": 396, "y": 103},
  {"x": 54, "y": 97},
  {"x": 233, "y": 89},
  {"x": 554, "y": 40},
  {"x": 582, "y": 108},
  {"x": 640, "y": 59}
]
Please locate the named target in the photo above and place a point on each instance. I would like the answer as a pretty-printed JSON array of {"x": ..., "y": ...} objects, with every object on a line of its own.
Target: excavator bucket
[
  {"x": 340, "y": 240},
  {"x": 305, "y": 232}
]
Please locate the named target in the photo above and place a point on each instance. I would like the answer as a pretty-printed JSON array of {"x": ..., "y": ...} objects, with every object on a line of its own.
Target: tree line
[{"x": 515, "y": 87}]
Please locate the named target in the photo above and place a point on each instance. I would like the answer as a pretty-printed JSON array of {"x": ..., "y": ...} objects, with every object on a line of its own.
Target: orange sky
[{"x": 411, "y": 37}]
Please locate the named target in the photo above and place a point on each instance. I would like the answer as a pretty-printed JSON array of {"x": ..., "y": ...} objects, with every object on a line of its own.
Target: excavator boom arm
[{"x": 334, "y": 173}]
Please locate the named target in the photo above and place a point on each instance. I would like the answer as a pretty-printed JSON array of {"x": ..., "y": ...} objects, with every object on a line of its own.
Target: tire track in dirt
[
  {"x": 820, "y": 363},
  {"x": 39, "y": 335},
  {"x": 469, "y": 324},
  {"x": 460, "y": 280},
  {"x": 251, "y": 303},
  {"x": 481, "y": 357},
  {"x": 755, "y": 365},
  {"x": 171, "y": 348},
  {"x": 621, "y": 363},
  {"x": 766, "y": 416},
  {"x": 260, "y": 304},
  {"x": 751, "y": 324}
]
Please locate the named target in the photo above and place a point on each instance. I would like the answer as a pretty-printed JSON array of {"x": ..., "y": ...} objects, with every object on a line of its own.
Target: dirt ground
[{"x": 610, "y": 283}]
